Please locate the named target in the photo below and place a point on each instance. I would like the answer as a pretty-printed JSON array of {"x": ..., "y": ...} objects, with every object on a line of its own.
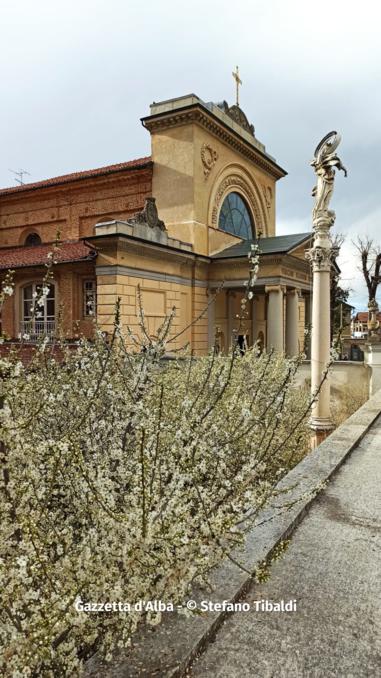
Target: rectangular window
[
  {"x": 89, "y": 298},
  {"x": 38, "y": 311}
]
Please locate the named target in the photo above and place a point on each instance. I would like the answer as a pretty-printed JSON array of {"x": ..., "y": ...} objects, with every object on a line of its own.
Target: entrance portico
[
  {"x": 275, "y": 318},
  {"x": 278, "y": 314}
]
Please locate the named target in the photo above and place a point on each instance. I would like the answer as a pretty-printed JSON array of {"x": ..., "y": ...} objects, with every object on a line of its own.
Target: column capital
[
  {"x": 293, "y": 291},
  {"x": 321, "y": 257},
  {"x": 274, "y": 288}
]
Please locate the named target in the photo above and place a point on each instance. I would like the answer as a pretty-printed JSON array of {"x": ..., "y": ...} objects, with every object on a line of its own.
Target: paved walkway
[{"x": 333, "y": 569}]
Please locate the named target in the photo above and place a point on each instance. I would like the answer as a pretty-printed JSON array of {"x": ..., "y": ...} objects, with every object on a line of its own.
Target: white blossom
[
  {"x": 8, "y": 290},
  {"x": 128, "y": 476}
]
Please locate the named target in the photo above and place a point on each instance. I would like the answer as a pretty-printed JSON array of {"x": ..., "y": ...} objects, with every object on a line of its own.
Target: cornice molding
[
  {"x": 198, "y": 115},
  {"x": 294, "y": 262},
  {"x": 120, "y": 269},
  {"x": 261, "y": 283},
  {"x": 286, "y": 260},
  {"x": 111, "y": 242}
]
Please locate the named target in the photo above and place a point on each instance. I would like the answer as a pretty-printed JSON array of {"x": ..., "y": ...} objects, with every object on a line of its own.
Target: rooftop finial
[{"x": 238, "y": 82}]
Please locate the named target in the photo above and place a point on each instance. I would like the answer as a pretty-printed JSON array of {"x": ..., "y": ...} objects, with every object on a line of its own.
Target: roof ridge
[
  {"x": 66, "y": 241},
  {"x": 137, "y": 163},
  {"x": 16, "y": 257}
]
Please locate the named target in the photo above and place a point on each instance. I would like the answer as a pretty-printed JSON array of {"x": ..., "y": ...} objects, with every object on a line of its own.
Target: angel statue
[{"x": 324, "y": 162}]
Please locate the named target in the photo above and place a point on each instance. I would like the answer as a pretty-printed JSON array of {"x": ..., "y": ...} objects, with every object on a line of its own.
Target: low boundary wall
[{"x": 357, "y": 375}]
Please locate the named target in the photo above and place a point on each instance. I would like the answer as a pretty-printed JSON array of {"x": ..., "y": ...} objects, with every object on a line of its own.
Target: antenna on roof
[{"x": 20, "y": 174}]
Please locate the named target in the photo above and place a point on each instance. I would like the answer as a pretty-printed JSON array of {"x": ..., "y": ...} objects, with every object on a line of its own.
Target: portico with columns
[{"x": 279, "y": 312}]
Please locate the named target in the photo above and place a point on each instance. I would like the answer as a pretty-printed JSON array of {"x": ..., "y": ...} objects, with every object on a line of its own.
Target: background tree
[
  {"x": 339, "y": 295},
  {"x": 370, "y": 256}
]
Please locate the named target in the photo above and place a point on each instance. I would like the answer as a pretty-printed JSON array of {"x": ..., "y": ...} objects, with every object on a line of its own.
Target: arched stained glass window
[{"x": 235, "y": 217}]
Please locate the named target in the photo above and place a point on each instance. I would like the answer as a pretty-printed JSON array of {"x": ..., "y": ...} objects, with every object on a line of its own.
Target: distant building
[{"x": 359, "y": 325}]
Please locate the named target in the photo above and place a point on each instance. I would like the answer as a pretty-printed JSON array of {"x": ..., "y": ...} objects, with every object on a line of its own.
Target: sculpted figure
[{"x": 324, "y": 162}]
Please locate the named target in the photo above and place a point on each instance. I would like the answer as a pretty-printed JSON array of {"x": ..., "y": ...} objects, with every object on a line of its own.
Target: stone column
[
  {"x": 253, "y": 321},
  {"x": 292, "y": 322},
  {"x": 307, "y": 323},
  {"x": 320, "y": 256},
  {"x": 211, "y": 319},
  {"x": 229, "y": 305},
  {"x": 275, "y": 318}
]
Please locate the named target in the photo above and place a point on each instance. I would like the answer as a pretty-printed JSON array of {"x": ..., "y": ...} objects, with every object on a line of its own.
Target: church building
[{"x": 178, "y": 225}]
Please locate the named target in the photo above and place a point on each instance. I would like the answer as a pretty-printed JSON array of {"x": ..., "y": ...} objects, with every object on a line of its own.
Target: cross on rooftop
[{"x": 238, "y": 82}]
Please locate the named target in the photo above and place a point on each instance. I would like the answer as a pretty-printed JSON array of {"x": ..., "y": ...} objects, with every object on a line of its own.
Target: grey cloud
[{"x": 77, "y": 76}]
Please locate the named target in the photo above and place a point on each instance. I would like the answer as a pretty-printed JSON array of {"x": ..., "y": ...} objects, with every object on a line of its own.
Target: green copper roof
[{"x": 281, "y": 244}]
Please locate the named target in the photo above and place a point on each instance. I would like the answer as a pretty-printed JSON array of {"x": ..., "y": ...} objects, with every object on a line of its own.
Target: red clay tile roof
[
  {"x": 362, "y": 316},
  {"x": 139, "y": 163},
  {"x": 18, "y": 257}
]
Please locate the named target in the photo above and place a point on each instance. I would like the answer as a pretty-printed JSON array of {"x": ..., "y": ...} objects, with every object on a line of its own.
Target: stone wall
[{"x": 343, "y": 373}]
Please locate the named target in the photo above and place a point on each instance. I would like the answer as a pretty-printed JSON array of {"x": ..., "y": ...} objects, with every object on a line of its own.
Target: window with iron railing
[
  {"x": 38, "y": 312},
  {"x": 89, "y": 298}
]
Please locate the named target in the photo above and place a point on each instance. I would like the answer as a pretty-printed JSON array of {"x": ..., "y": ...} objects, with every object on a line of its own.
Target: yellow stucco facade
[{"x": 197, "y": 163}]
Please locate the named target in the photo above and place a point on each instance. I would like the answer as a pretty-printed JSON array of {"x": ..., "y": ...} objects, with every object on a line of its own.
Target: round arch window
[
  {"x": 235, "y": 217},
  {"x": 33, "y": 239}
]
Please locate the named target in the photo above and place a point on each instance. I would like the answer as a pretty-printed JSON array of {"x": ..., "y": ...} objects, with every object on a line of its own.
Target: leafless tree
[{"x": 370, "y": 255}]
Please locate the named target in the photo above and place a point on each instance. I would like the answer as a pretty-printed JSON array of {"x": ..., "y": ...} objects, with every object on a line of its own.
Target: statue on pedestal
[
  {"x": 324, "y": 162},
  {"x": 373, "y": 323},
  {"x": 321, "y": 254}
]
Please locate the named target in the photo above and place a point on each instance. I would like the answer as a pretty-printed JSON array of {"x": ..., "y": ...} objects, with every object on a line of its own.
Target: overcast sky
[{"x": 76, "y": 77}]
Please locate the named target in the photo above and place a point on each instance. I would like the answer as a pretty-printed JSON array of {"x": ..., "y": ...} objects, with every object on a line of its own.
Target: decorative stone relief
[
  {"x": 208, "y": 158},
  {"x": 149, "y": 216},
  {"x": 324, "y": 162},
  {"x": 321, "y": 257},
  {"x": 373, "y": 323},
  {"x": 268, "y": 195},
  {"x": 236, "y": 113},
  {"x": 236, "y": 181}
]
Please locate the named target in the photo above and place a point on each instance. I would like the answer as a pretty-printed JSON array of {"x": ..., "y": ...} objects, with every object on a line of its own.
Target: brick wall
[{"x": 74, "y": 208}]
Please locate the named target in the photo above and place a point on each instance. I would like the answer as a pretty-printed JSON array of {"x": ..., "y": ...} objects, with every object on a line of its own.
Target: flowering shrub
[
  {"x": 127, "y": 477},
  {"x": 6, "y": 291}
]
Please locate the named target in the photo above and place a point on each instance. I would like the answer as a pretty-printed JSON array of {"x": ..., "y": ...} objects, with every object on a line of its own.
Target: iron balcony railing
[{"x": 31, "y": 330}]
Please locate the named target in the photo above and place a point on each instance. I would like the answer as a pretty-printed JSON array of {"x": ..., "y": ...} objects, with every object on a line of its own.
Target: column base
[
  {"x": 321, "y": 427},
  {"x": 321, "y": 424}
]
